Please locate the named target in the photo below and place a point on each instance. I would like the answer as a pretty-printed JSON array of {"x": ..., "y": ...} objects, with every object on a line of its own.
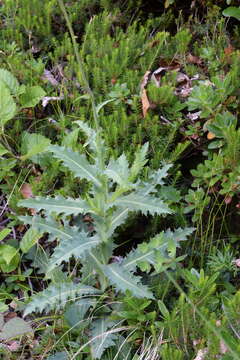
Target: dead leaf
[
  {"x": 192, "y": 59},
  {"x": 46, "y": 99},
  {"x": 145, "y": 103},
  {"x": 237, "y": 262},
  {"x": 13, "y": 345},
  {"x": 223, "y": 348},
  {"x": 201, "y": 354},
  {"x": 229, "y": 50},
  {"x": 10, "y": 315},
  {"x": 210, "y": 135},
  {"x": 47, "y": 75},
  {"x": 26, "y": 191}
]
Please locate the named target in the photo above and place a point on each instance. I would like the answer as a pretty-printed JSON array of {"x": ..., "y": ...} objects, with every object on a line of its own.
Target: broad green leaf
[
  {"x": 10, "y": 81},
  {"x": 33, "y": 144},
  {"x": 14, "y": 327},
  {"x": 7, "y": 105},
  {"x": 145, "y": 204},
  {"x": 100, "y": 106},
  {"x": 232, "y": 11},
  {"x": 101, "y": 337},
  {"x": 58, "y": 205},
  {"x": 4, "y": 233},
  {"x": 7, "y": 253},
  {"x": 76, "y": 247},
  {"x": 57, "y": 296},
  {"x": 75, "y": 312},
  {"x": 124, "y": 280},
  {"x": 31, "y": 96},
  {"x": 77, "y": 163},
  {"x": 29, "y": 239},
  {"x": 118, "y": 218}
]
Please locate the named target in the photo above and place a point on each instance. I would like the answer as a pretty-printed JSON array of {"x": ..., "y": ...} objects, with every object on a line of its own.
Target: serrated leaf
[
  {"x": 7, "y": 105},
  {"x": 29, "y": 239},
  {"x": 33, "y": 144},
  {"x": 76, "y": 247},
  {"x": 15, "y": 327},
  {"x": 31, "y": 96},
  {"x": 145, "y": 204},
  {"x": 118, "y": 218},
  {"x": 139, "y": 161},
  {"x": 60, "y": 355},
  {"x": 58, "y": 205},
  {"x": 118, "y": 171},
  {"x": 75, "y": 313},
  {"x": 9, "y": 80},
  {"x": 56, "y": 296},
  {"x": 124, "y": 280},
  {"x": 49, "y": 225},
  {"x": 101, "y": 338},
  {"x": 77, "y": 163}
]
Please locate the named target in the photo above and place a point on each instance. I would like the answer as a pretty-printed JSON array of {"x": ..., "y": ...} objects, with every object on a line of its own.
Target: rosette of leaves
[{"x": 116, "y": 190}]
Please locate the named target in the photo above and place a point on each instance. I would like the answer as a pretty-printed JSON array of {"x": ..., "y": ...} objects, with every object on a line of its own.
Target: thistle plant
[{"x": 115, "y": 190}]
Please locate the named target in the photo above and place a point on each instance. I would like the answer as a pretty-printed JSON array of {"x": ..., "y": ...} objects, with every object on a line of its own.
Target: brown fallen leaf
[
  {"x": 144, "y": 98},
  {"x": 192, "y": 59},
  {"x": 26, "y": 191},
  {"x": 145, "y": 103}
]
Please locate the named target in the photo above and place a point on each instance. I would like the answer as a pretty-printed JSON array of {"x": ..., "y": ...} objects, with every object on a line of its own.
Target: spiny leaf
[
  {"x": 118, "y": 171},
  {"x": 139, "y": 161},
  {"x": 49, "y": 225},
  {"x": 15, "y": 327},
  {"x": 101, "y": 338},
  {"x": 77, "y": 163},
  {"x": 145, "y": 204},
  {"x": 123, "y": 280},
  {"x": 76, "y": 247},
  {"x": 118, "y": 218},
  {"x": 56, "y": 296},
  {"x": 58, "y": 205}
]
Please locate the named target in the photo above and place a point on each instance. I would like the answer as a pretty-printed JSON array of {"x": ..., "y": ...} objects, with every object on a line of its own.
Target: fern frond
[
  {"x": 58, "y": 204},
  {"x": 124, "y": 280},
  {"x": 56, "y": 297},
  {"x": 77, "y": 163}
]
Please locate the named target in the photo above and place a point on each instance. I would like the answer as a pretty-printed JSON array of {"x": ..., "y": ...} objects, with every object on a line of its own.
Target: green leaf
[
  {"x": 31, "y": 96},
  {"x": 118, "y": 171},
  {"x": 77, "y": 163},
  {"x": 145, "y": 204},
  {"x": 33, "y": 144},
  {"x": 232, "y": 11},
  {"x": 60, "y": 355},
  {"x": 58, "y": 205},
  {"x": 14, "y": 327},
  {"x": 4, "y": 233},
  {"x": 3, "y": 150},
  {"x": 139, "y": 161},
  {"x": 75, "y": 312},
  {"x": 123, "y": 280},
  {"x": 49, "y": 225},
  {"x": 7, "y": 105},
  {"x": 118, "y": 218},
  {"x": 101, "y": 338},
  {"x": 7, "y": 253},
  {"x": 57, "y": 296},
  {"x": 10, "y": 81},
  {"x": 76, "y": 247},
  {"x": 29, "y": 239}
]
